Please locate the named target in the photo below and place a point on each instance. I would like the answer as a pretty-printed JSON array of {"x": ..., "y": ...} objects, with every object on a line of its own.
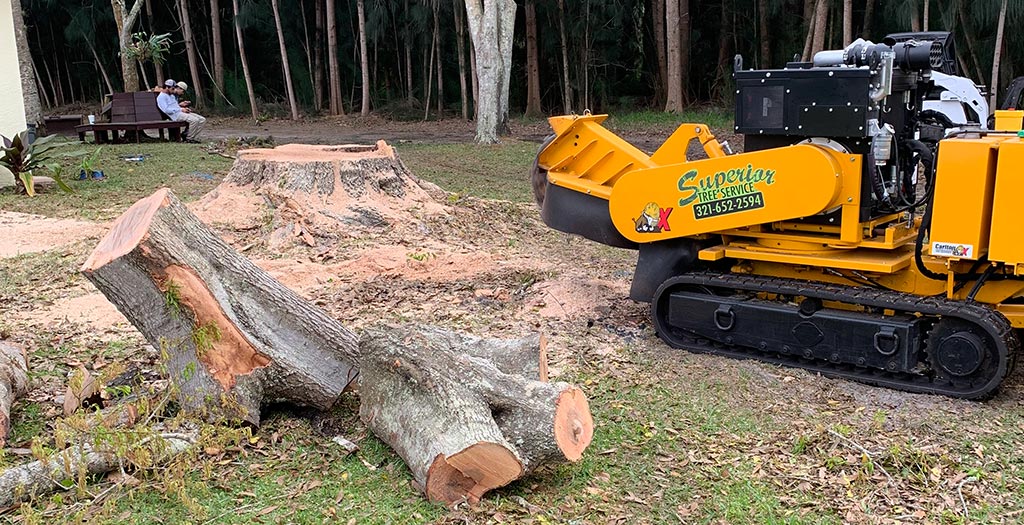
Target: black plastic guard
[
  {"x": 573, "y": 212},
  {"x": 657, "y": 263}
]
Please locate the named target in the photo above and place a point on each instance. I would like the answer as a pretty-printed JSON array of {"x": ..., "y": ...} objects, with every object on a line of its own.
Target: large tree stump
[
  {"x": 319, "y": 193},
  {"x": 461, "y": 424},
  {"x": 232, "y": 336},
  {"x": 13, "y": 383}
]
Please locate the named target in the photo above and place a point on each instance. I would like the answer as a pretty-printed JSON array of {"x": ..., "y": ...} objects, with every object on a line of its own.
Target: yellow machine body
[{"x": 747, "y": 208}]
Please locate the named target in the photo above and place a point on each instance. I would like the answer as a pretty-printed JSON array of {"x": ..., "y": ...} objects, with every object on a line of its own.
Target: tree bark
[
  {"x": 99, "y": 66},
  {"x": 563, "y": 39},
  {"x": 410, "y": 98},
  {"x": 724, "y": 69},
  {"x": 33, "y": 108},
  {"x": 484, "y": 427},
  {"x": 915, "y": 18},
  {"x": 847, "y": 22},
  {"x": 13, "y": 382},
  {"x": 74, "y": 464},
  {"x": 997, "y": 54},
  {"x": 673, "y": 38},
  {"x": 292, "y": 104},
  {"x": 334, "y": 73},
  {"x": 927, "y": 14},
  {"x": 764, "y": 34},
  {"x": 190, "y": 49},
  {"x": 218, "y": 47},
  {"x": 491, "y": 26},
  {"x": 661, "y": 72},
  {"x": 460, "y": 39},
  {"x": 684, "y": 49},
  {"x": 318, "y": 56},
  {"x": 439, "y": 62},
  {"x": 533, "y": 108},
  {"x": 969, "y": 39},
  {"x": 216, "y": 317},
  {"x": 125, "y": 21},
  {"x": 820, "y": 27},
  {"x": 245, "y": 63},
  {"x": 869, "y": 12},
  {"x": 364, "y": 62}
]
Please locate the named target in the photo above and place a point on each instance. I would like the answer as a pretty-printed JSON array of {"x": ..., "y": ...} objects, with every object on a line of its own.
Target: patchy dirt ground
[{"x": 681, "y": 437}]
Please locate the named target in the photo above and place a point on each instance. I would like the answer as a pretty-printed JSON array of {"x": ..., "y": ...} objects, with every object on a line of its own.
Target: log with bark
[
  {"x": 13, "y": 383},
  {"x": 232, "y": 337},
  {"x": 463, "y": 424}
]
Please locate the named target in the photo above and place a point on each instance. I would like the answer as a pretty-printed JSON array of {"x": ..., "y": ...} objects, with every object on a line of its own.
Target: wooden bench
[
  {"x": 132, "y": 112},
  {"x": 62, "y": 124}
]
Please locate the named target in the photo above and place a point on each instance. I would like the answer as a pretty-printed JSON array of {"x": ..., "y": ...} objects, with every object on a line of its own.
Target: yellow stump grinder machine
[{"x": 870, "y": 230}]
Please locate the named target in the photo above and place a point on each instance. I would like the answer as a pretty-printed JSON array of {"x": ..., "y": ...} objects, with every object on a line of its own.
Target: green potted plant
[{"x": 21, "y": 159}]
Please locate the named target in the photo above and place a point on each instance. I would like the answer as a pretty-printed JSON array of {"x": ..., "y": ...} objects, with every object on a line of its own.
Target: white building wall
[{"x": 12, "y": 101}]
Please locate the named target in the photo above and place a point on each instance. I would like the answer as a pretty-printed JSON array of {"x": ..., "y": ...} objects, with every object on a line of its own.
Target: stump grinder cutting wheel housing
[{"x": 863, "y": 233}]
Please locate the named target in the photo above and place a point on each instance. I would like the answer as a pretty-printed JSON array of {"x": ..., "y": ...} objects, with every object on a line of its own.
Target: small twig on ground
[
  {"x": 238, "y": 510},
  {"x": 960, "y": 491},
  {"x": 862, "y": 450}
]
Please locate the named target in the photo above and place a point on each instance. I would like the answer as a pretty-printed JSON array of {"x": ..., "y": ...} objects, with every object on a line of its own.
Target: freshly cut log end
[
  {"x": 574, "y": 425},
  {"x": 471, "y": 473},
  {"x": 467, "y": 414},
  {"x": 216, "y": 317}
]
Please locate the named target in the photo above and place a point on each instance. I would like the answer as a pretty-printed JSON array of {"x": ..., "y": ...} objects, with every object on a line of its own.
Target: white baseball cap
[
  {"x": 169, "y": 83},
  {"x": 182, "y": 85}
]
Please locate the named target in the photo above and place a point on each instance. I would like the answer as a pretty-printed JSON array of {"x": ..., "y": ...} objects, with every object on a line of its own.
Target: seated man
[{"x": 168, "y": 103}]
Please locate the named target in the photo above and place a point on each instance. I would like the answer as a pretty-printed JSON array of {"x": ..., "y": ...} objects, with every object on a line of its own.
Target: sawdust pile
[{"x": 316, "y": 195}]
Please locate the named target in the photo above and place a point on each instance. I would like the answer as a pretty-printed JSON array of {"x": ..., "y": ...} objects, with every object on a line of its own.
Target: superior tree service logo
[{"x": 724, "y": 192}]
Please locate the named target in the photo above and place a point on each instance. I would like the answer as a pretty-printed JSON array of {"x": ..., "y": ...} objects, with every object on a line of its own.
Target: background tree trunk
[
  {"x": 190, "y": 48},
  {"x": 218, "y": 49},
  {"x": 764, "y": 34},
  {"x": 33, "y": 109},
  {"x": 245, "y": 62},
  {"x": 915, "y": 17},
  {"x": 460, "y": 39},
  {"x": 533, "y": 108},
  {"x": 364, "y": 62},
  {"x": 439, "y": 63},
  {"x": 332, "y": 61},
  {"x": 997, "y": 54},
  {"x": 684, "y": 49},
  {"x": 847, "y": 22},
  {"x": 491, "y": 26},
  {"x": 318, "y": 56},
  {"x": 292, "y": 104},
  {"x": 125, "y": 21},
  {"x": 927, "y": 15},
  {"x": 658, "y": 27},
  {"x": 869, "y": 12},
  {"x": 820, "y": 27},
  {"x": 674, "y": 91},
  {"x": 566, "y": 86}
]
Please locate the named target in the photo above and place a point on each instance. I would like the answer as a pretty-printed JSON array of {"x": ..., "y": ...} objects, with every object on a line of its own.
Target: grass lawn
[{"x": 680, "y": 438}]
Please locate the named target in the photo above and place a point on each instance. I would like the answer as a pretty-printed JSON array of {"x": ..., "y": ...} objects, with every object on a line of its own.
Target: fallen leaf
[
  {"x": 266, "y": 510},
  {"x": 81, "y": 386}
]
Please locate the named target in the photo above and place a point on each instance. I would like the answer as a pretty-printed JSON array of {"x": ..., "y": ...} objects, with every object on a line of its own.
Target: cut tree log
[
  {"x": 13, "y": 383},
  {"x": 66, "y": 468},
  {"x": 232, "y": 337},
  {"x": 462, "y": 425}
]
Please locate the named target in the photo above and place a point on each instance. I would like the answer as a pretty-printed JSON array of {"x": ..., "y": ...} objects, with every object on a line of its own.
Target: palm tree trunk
[
  {"x": 969, "y": 39},
  {"x": 915, "y": 19},
  {"x": 39, "y": 83},
  {"x": 332, "y": 61},
  {"x": 289, "y": 87},
  {"x": 245, "y": 62},
  {"x": 474, "y": 76},
  {"x": 429, "y": 81},
  {"x": 924, "y": 20},
  {"x": 684, "y": 48},
  {"x": 99, "y": 66},
  {"x": 410, "y": 99},
  {"x": 997, "y": 54},
  {"x": 190, "y": 49},
  {"x": 364, "y": 63}
]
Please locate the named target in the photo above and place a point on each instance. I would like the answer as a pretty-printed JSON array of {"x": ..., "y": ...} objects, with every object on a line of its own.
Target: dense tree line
[{"x": 417, "y": 58}]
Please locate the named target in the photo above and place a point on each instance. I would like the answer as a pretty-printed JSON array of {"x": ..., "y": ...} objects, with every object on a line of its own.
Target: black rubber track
[{"x": 994, "y": 324}]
